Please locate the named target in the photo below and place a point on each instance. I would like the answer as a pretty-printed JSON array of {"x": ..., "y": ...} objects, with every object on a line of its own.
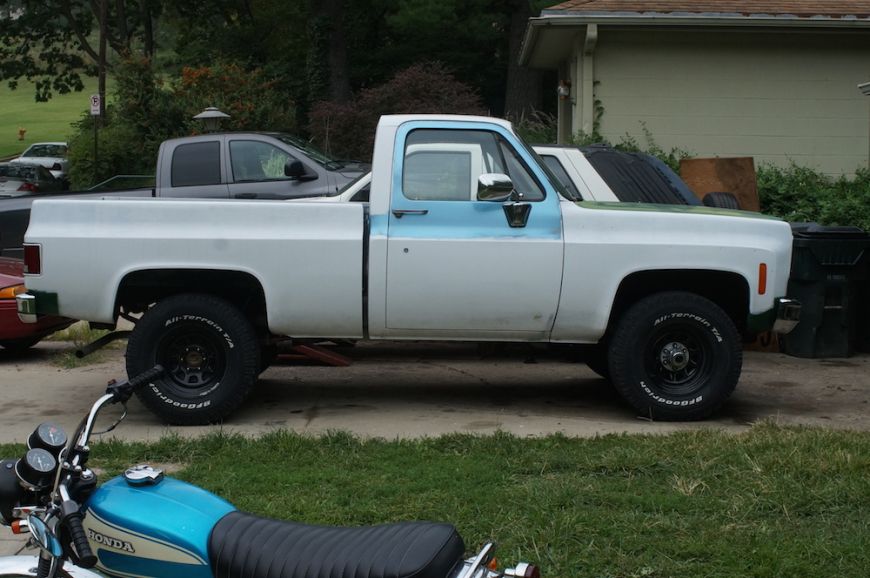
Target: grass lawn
[
  {"x": 44, "y": 121},
  {"x": 771, "y": 502}
]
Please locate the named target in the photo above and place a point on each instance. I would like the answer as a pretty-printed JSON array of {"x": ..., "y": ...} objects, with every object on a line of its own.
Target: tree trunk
[
  {"x": 101, "y": 65},
  {"x": 147, "y": 28},
  {"x": 121, "y": 16},
  {"x": 339, "y": 76},
  {"x": 523, "y": 91}
]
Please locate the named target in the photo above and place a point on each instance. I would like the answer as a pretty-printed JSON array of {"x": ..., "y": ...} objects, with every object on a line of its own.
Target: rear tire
[
  {"x": 210, "y": 353},
  {"x": 675, "y": 356}
]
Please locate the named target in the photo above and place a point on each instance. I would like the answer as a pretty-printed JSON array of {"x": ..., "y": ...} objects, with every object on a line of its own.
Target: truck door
[
  {"x": 257, "y": 172},
  {"x": 194, "y": 170},
  {"x": 455, "y": 265}
]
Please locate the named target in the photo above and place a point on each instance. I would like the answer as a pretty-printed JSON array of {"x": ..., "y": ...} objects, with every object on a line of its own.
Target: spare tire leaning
[{"x": 721, "y": 201}]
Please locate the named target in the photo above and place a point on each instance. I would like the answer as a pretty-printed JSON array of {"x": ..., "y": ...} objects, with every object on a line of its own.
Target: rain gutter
[{"x": 561, "y": 19}]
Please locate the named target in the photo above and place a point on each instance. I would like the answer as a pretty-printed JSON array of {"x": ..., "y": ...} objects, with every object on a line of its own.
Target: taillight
[
  {"x": 32, "y": 259},
  {"x": 29, "y": 187}
]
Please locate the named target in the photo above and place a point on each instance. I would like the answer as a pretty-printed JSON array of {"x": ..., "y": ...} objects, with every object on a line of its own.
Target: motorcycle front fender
[{"x": 25, "y": 567}]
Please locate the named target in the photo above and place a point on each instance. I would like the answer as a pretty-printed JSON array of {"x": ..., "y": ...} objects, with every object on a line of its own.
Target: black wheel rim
[
  {"x": 194, "y": 359},
  {"x": 678, "y": 359}
]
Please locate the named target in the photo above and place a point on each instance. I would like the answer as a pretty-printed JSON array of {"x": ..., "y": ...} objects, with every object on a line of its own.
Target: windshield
[
  {"x": 310, "y": 151},
  {"x": 46, "y": 150},
  {"x": 554, "y": 181}
]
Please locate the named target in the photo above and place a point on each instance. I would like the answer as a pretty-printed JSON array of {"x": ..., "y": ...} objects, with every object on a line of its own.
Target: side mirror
[
  {"x": 43, "y": 537},
  {"x": 494, "y": 187},
  {"x": 294, "y": 169}
]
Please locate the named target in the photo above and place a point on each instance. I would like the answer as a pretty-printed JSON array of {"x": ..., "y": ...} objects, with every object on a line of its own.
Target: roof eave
[{"x": 577, "y": 20}]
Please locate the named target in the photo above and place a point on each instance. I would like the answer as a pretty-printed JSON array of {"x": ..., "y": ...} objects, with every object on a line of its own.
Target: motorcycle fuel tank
[{"x": 157, "y": 528}]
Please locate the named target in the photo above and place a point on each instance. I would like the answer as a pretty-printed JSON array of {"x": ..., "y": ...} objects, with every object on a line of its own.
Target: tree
[
  {"x": 347, "y": 130},
  {"x": 51, "y": 41},
  {"x": 523, "y": 84}
]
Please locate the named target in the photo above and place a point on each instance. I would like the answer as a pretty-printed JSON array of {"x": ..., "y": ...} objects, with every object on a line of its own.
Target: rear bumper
[
  {"x": 26, "y": 305},
  {"x": 13, "y": 328}
]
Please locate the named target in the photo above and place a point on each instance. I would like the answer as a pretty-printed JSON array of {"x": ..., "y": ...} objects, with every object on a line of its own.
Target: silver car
[
  {"x": 20, "y": 179},
  {"x": 51, "y": 155}
]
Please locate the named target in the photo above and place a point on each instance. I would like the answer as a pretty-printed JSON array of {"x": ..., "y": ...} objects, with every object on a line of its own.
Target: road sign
[{"x": 95, "y": 105}]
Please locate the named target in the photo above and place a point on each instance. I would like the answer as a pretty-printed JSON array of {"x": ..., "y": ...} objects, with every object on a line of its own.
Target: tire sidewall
[
  {"x": 216, "y": 322},
  {"x": 648, "y": 321}
]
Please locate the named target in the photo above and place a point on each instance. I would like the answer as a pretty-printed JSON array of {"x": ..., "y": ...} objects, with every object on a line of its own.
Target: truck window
[
  {"x": 257, "y": 161},
  {"x": 196, "y": 164},
  {"x": 445, "y": 164},
  {"x": 438, "y": 176},
  {"x": 559, "y": 172}
]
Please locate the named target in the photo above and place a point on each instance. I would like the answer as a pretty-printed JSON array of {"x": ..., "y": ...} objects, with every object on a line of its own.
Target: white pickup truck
[{"x": 467, "y": 236}]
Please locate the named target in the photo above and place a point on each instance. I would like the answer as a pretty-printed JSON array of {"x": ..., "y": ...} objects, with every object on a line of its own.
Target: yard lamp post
[{"x": 211, "y": 117}]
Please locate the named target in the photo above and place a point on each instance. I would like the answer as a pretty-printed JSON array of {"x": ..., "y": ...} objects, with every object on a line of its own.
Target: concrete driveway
[{"x": 424, "y": 389}]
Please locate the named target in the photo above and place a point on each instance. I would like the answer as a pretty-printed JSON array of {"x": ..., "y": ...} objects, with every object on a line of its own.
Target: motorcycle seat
[{"x": 246, "y": 546}]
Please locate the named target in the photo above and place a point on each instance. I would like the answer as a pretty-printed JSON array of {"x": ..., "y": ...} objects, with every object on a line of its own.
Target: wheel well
[
  {"x": 730, "y": 291},
  {"x": 141, "y": 289}
]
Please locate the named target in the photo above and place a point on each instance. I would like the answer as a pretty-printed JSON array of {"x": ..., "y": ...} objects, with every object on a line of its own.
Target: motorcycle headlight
[{"x": 10, "y": 490}]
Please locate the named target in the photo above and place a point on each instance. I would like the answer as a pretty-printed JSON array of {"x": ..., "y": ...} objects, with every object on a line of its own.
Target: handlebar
[
  {"x": 86, "y": 558},
  {"x": 122, "y": 390}
]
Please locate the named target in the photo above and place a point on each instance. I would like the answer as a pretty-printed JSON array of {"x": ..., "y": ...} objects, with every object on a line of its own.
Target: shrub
[
  {"x": 246, "y": 95},
  {"x": 537, "y": 127},
  {"x": 801, "y": 194},
  {"x": 348, "y": 130}
]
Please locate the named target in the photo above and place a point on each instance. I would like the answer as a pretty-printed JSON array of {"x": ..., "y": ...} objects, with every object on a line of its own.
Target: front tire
[
  {"x": 209, "y": 351},
  {"x": 675, "y": 356}
]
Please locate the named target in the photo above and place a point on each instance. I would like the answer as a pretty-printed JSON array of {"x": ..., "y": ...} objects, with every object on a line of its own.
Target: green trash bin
[{"x": 829, "y": 268}]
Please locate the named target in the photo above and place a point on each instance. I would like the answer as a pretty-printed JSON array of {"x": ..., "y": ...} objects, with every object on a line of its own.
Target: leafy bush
[
  {"x": 246, "y": 95},
  {"x": 537, "y": 128},
  {"x": 348, "y": 130},
  {"x": 801, "y": 194}
]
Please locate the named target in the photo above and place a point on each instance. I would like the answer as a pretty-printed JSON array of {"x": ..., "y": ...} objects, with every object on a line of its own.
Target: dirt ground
[{"x": 424, "y": 389}]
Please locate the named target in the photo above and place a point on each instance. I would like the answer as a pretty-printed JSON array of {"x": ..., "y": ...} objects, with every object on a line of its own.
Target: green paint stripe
[{"x": 656, "y": 208}]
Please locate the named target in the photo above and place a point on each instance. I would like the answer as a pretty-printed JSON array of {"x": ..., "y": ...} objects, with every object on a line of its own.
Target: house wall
[{"x": 776, "y": 96}]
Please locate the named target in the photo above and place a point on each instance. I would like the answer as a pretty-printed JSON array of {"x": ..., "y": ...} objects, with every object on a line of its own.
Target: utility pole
[{"x": 101, "y": 65}]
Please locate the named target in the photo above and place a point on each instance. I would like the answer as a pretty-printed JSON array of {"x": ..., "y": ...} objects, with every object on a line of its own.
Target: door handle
[{"x": 399, "y": 213}]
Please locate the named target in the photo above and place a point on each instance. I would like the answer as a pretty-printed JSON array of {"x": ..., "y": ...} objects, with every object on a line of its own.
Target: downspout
[
  {"x": 588, "y": 81},
  {"x": 865, "y": 89}
]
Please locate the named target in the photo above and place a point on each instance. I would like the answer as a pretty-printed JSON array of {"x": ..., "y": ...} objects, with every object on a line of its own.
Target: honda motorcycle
[{"x": 144, "y": 524}]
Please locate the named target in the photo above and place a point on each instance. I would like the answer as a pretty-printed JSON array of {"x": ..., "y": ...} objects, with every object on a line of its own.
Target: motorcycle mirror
[{"x": 43, "y": 536}]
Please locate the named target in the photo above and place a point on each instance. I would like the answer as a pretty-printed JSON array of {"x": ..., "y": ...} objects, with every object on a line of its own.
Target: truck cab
[{"x": 249, "y": 165}]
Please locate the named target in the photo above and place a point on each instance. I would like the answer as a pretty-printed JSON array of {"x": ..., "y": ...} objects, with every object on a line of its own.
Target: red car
[{"x": 15, "y": 335}]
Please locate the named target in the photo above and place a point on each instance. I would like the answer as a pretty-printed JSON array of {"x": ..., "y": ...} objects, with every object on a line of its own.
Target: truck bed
[{"x": 273, "y": 241}]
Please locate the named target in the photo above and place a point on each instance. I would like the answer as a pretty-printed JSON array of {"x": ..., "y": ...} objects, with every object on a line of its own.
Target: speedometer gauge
[
  {"x": 48, "y": 436},
  {"x": 36, "y": 469}
]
